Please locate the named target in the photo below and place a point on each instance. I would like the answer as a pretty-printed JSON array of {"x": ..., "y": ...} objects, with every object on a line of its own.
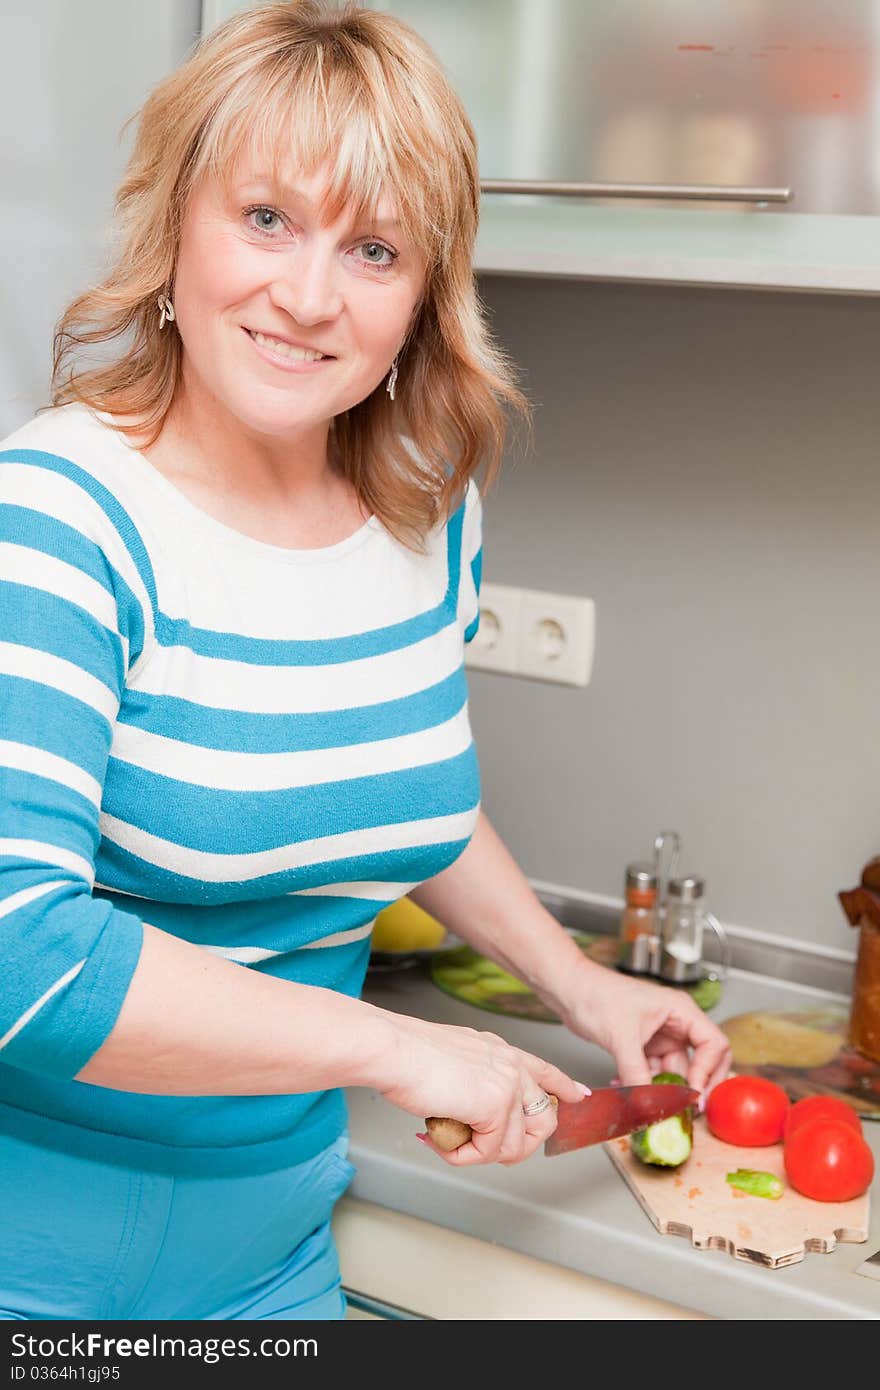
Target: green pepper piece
[{"x": 756, "y": 1183}]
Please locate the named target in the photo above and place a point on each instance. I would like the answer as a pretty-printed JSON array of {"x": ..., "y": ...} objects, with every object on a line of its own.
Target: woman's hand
[
  {"x": 647, "y": 1028},
  {"x": 478, "y": 1078}
]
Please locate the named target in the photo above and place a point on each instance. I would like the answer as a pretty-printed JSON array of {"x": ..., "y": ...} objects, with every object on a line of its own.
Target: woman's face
[{"x": 264, "y": 283}]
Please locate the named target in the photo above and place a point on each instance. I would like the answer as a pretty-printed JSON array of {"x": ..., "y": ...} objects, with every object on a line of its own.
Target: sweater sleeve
[
  {"x": 74, "y": 618},
  {"x": 471, "y": 560}
]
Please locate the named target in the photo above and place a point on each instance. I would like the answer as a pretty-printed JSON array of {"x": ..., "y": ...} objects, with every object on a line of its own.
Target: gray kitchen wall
[
  {"x": 73, "y": 74},
  {"x": 705, "y": 467}
]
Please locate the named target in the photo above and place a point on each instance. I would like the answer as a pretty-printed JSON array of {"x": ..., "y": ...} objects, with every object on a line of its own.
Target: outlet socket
[
  {"x": 494, "y": 648},
  {"x": 556, "y": 638}
]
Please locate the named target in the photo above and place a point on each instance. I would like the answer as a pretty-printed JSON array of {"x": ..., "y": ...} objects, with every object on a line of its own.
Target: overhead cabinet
[{"x": 693, "y": 141}]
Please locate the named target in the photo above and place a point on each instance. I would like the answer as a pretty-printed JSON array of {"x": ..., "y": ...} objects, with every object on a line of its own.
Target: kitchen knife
[
  {"x": 612, "y": 1111},
  {"x": 606, "y": 1114}
]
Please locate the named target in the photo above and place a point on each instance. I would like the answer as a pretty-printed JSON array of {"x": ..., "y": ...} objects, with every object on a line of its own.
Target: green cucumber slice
[{"x": 666, "y": 1144}]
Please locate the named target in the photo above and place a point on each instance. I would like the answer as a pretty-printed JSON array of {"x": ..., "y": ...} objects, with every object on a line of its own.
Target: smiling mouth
[{"x": 288, "y": 351}]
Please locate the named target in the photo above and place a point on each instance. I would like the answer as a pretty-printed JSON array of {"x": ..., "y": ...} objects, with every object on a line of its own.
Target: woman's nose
[{"x": 309, "y": 289}]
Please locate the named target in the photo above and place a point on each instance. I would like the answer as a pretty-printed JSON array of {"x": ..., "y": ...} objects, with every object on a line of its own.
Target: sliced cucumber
[
  {"x": 666, "y": 1144},
  {"x": 669, "y": 1142}
]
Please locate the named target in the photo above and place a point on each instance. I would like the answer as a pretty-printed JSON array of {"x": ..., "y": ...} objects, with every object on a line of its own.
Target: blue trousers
[{"x": 88, "y": 1240}]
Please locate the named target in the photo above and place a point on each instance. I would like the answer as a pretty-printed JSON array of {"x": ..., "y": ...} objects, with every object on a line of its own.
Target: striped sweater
[{"x": 250, "y": 747}]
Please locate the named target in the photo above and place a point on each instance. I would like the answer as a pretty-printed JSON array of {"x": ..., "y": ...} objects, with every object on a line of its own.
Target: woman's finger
[
  {"x": 711, "y": 1055},
  {"x": 483, "y": 1147},
  {"x": 543, "y": 1106},
  {"x": 676, "y": 1059},
  {"x": 538, "y": 1128},
  {"x": 464, "y": 1157},
  {"x": 552, "y": 1080},
  {"x": 511, "y": 1150},
  {"x": 720, "y": 1072},
  {"x": 532, "y": 1130},
  {"x": 530, "y": 1144},
  {"x": 633, "y": 1067}
]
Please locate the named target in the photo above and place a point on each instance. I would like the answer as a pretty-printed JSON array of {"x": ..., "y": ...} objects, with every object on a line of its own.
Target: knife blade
[
  {"x": 612, "y": 1111},
  {"x": 606, "y": 1114}
]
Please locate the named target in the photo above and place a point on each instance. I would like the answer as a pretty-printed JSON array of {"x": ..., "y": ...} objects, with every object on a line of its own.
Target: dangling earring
[
  {"x": 392, "y": 378},
  {"x": 166, "y": 310}
]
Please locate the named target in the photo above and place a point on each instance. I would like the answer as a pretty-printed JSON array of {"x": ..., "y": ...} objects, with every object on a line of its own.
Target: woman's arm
[
  {"x": 193, "y": 1024},
  {"x": 485, "y": 898}
]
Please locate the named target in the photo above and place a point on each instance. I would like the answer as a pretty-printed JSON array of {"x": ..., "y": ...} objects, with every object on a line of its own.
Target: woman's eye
[
  {"x": 378, "y": 255},
  {"x": 264, "y": 219}
]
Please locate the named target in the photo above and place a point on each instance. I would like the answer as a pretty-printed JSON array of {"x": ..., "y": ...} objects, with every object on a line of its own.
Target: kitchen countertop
[{"x": 575, "y": 1210}]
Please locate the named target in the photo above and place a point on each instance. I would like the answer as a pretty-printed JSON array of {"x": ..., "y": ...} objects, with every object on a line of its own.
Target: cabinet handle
[{"x": 689, "y": 192}]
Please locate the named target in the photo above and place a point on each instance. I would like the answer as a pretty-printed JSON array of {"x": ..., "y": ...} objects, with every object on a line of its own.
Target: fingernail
[
  {"x": 422, "y": 1138},
  {"x": 584, "y": 1089},
  {"x": 615, "y": 1081},
  {"x": 701, "y": 1103}
]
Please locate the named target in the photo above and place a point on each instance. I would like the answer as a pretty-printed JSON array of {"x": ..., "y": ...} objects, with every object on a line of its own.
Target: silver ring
[{"x": 537, "y": 1107}]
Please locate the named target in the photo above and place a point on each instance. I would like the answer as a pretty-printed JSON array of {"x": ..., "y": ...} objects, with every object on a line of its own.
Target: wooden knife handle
[
  {"x": 451, "y": 1134},
  {"x": 448, "y": 1134}
]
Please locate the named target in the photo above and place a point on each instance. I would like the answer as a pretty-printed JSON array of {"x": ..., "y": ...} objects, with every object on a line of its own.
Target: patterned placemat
[
  {"x": 805, "y": 1051},
  {"x": 468, "y": 976}
]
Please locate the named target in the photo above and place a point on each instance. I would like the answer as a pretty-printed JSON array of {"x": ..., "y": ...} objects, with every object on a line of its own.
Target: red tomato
[
  {"x": 828, "y": 1161},
  {"x": 820, "y": 1108},
  {"x": 747, "y": 1110}
]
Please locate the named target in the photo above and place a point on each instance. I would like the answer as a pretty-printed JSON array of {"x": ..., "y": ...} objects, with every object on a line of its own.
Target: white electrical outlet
[
  {"x": 495, "y": 645},
  {"x": 556, "y": 638},
  {"x": 525, "y": 632}
]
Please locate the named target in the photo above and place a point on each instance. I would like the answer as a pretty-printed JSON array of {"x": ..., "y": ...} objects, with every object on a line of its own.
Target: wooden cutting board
[{"x": 695, "y": 1201}]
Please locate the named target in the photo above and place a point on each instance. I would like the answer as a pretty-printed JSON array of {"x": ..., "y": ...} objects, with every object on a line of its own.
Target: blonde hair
[{"x": 296, "y": 79}]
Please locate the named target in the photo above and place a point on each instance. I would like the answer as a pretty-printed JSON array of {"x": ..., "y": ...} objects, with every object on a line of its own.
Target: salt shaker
[
  {"x": 682, "y": 948},
  {"x": 684, "y": 920}
]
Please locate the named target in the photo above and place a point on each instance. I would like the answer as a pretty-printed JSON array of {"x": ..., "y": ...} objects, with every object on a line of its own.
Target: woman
[{"x": 239, "y": 565}]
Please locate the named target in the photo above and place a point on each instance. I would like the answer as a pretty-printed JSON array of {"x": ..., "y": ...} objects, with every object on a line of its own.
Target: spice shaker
[
  {"x": 684, "y": 921},
  {"x": 682, "y": 948},
  {"x": 638, "y": 939}
]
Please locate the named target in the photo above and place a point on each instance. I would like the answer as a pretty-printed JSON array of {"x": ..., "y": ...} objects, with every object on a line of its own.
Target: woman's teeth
[{"x": 296, "y": 354}]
